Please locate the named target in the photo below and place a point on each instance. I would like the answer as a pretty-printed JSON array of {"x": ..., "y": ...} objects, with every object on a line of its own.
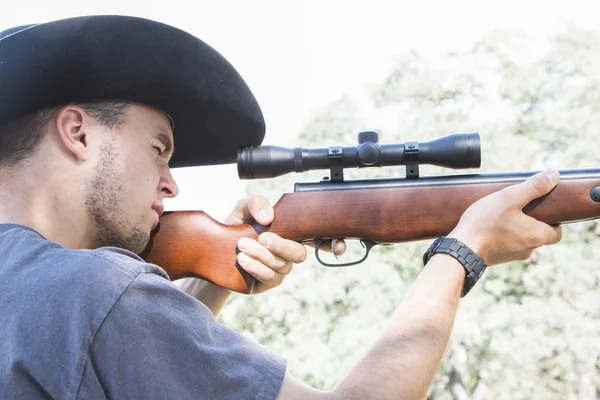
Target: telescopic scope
[{"x": 460, "y": 150}]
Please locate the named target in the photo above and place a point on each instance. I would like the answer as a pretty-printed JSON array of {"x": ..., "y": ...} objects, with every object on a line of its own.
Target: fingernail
[
  {"x": 333, "y": 242},
  {"x": 553, "y": 176},
  {"x": 243, "y": 244},
  {"x": 266, "y": 240},
  {"x": 242, "y": 258},
  {"x": 264, "y": 214}
]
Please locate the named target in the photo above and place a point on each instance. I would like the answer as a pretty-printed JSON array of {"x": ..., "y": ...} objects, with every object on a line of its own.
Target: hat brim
[{"x": 138, "y": 60}]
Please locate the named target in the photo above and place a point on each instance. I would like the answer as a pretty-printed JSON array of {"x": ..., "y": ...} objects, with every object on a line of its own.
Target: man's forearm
[
  {"x": 402, "y": 364},
  {"x": 213, "y": 296}
]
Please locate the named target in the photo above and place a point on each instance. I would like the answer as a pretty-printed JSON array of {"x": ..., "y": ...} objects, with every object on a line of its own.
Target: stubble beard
[{"x": 104, "y": 199}]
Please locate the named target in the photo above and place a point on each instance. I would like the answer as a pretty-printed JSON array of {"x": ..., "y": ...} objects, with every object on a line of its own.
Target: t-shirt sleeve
[{"x": 158, "y": 343}]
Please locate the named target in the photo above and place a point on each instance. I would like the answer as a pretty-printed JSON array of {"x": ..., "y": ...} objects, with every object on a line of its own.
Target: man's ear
[{"x": 72, "y": 123}]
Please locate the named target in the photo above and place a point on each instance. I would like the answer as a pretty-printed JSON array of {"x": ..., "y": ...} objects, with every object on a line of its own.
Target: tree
[{"x": 528, "y": 329}]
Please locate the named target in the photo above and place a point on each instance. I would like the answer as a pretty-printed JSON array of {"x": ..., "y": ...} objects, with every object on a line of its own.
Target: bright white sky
[{"x": 299, "y": 55}]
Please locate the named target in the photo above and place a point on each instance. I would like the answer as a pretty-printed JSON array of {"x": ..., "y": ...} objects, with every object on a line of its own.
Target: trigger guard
[{"x": 367, "y": 245}]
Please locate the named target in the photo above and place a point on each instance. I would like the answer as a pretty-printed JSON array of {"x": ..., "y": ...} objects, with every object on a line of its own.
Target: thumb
[
  {"x": 535, "y": 186},
  {"x": 240, "y": 213},
  {"x": 255, "y": 208}
]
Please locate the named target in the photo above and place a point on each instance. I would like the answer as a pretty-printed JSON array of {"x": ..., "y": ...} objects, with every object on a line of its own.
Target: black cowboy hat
[{"x": 138, "y": 60}]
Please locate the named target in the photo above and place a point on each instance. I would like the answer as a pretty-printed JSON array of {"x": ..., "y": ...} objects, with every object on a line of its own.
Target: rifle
[{"x": 374, "y": 211}]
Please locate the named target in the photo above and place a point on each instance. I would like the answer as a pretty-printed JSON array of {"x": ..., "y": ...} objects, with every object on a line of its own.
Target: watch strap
[{"x": 473, "y": 264}]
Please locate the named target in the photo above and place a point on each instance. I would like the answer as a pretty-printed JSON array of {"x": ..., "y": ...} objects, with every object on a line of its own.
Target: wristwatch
[{"x": 473, "y": 264}]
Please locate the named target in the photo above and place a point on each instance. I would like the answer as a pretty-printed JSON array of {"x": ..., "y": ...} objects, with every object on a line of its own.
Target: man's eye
[{"x": 158, "y": 150}]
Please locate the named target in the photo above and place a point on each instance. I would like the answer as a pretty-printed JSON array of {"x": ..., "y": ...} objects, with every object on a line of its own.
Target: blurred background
[{"x": 524, "y": 74}]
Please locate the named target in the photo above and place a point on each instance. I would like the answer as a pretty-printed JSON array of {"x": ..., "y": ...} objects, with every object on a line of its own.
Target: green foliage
[{"x": 530, "y": 329}]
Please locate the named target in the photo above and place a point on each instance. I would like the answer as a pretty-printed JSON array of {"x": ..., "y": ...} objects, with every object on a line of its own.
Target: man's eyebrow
[{"x": 166, "y": 141}]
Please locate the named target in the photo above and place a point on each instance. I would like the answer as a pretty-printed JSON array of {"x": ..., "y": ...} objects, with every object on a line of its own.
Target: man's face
[{"x": 131, "y": 179}]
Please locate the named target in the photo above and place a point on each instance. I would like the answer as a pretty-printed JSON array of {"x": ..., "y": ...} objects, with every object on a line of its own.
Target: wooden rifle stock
[{"x": 191, "y": 243}]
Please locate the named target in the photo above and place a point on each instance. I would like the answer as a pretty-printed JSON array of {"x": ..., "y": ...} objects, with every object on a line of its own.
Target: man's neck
[{"x": 46, "y": 204}]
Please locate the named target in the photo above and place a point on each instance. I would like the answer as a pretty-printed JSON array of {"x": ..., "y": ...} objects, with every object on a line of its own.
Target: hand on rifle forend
[{"x": 496, "y": 228}]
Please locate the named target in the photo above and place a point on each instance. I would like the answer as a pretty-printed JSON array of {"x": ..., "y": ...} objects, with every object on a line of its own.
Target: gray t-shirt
[{"x": 94, "y": 324}]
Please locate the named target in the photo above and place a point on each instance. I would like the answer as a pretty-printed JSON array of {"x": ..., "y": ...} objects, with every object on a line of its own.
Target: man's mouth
[
  {"x": 159, "y": 208},
  {"x": 158, "y": 211}
]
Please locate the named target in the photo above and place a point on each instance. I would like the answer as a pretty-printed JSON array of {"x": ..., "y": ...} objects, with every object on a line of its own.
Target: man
[{"x": 92, "y": 109}]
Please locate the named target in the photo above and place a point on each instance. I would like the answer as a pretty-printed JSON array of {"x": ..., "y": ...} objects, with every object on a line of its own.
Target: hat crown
[
  {"x": 111, "y": 57},
  {"x": 16, "y": 29}
]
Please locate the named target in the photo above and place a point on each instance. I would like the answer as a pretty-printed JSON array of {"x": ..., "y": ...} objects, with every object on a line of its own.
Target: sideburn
[{"x": 104, "y": 203}]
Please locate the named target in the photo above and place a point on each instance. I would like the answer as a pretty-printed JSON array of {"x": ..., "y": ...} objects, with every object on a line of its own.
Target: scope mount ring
[
  {"x": 336, "y": 168},
  {"x": 411, "y": 159}
]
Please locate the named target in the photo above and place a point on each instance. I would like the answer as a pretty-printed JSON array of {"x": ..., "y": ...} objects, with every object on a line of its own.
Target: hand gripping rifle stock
[{"x": 376, "y": 211}]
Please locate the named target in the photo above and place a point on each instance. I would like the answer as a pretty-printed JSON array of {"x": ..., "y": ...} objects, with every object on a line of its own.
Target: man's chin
[
  {"x": 139, "y": 249},
  {"x": 147, "y": 246},
  {"x": 136, "y": 242}
]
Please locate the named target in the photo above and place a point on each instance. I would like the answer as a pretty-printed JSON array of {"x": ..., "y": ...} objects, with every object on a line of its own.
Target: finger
[
  {"x": 256, "y": 208},
  {"x": 259, "y": 271},
  {"x": 240, "y": 213},
  {"x": 537, "y": 234},
  {"x": 334, "y": 246},
  {"x": 550, "y": 234},
  {"x": 338, "y": 247},
  {"x": 558, "y": 232},
  {"x": 258, "y": 252},
  {"x": 284, "y": 248},
  {"x": 260, "y": 209},
  {"x": 534, "y": 187}
]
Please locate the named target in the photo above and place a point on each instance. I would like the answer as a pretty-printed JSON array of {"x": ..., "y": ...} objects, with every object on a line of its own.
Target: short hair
[{"x": 20, "y": 139}]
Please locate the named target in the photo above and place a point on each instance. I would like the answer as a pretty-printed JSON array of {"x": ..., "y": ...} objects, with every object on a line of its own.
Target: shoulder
[
  {"x": 173, "y": 346},
  {"x": 28, "y": 251},
  {"x": 83, "y": 283},
  {"x": 59, "y": 299},
  {"x": 86, "y": 283},
  {"x": 120, "y": 261}
]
